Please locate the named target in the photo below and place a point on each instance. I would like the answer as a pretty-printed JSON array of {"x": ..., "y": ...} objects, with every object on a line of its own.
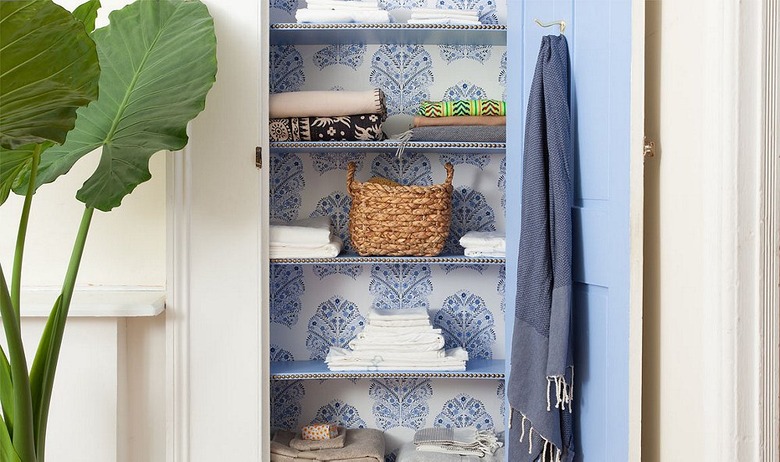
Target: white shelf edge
[{"x": 96, "y": 303}]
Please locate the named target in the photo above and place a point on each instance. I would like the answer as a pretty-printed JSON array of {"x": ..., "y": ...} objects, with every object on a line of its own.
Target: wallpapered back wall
[{"x": 316, "y": 306}]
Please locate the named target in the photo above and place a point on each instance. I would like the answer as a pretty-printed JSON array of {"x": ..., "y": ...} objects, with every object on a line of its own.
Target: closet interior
[{"x": 318, "y": 303}]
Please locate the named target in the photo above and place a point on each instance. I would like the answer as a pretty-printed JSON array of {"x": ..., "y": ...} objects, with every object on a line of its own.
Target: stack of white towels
[
  {"x": 401, "y": 339},
  {"x": 444, "y": 16},
  {"x": 342, "y": 12},
  {"x": 306, "y": 238},
  {"x": 484, "y": 244}
]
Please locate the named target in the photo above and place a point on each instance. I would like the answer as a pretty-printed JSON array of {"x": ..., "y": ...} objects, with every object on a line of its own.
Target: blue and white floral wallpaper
[{"x": 316, "y": 306}]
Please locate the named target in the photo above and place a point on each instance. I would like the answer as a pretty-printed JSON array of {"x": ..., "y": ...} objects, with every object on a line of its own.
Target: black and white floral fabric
[{"x": 360, "y": 127}]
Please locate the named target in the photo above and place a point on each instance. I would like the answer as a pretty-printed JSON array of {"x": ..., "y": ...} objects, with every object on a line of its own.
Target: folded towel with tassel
[{"x": 464, "y": 441}]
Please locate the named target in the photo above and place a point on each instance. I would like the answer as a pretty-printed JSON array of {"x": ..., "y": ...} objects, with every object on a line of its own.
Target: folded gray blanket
[
  {"x": 360, "y": 445},
  {"x": 409, "y": 453},
  {"x": 472, "y": 133}
]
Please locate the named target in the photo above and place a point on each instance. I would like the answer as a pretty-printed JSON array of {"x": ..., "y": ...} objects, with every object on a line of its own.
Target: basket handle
[
  {"x": 350, "y": 177},
  {"x": 450, "y": 172}
]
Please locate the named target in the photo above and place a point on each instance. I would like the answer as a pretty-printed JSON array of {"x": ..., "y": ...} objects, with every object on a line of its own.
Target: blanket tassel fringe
[{"x": 564, "y": 395}]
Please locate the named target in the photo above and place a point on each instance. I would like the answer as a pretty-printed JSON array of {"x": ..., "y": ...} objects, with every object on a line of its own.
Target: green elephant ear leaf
[
  {"x": 13, "y": 165},
  {"x": 158, "y": 61},
  {"x": 49, "y": 68},
  {"x": 87, "y": 13}
]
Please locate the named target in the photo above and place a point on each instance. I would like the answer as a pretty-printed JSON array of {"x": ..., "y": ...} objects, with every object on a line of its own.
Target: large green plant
[{"x": 152, "y": 67}]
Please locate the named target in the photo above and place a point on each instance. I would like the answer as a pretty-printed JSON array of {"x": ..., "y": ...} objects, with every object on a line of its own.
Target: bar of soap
[{"x": 319, "y": 432}]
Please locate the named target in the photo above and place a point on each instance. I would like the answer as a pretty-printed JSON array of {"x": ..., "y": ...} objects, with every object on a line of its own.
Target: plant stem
[
  {"x": 24, "y": 436},
  {"x": 58, "y": 330},
  {"x": 16, "y": 272}
]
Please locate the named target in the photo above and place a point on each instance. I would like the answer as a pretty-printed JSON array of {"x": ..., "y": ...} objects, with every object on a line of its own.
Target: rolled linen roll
[{"x": 326, "y": 103}]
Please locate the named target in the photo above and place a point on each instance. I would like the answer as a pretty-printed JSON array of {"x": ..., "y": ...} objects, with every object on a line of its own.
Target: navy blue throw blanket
[{"x": 541, "y": 381}]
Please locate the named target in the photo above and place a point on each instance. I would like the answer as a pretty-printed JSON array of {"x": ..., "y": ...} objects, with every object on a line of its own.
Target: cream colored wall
[
  {"x": 124, "y": 247},
  {"x": 698, "y": 196}
]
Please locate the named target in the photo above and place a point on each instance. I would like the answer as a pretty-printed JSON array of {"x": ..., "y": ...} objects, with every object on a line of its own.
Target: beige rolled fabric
[
  {"x": 326, "y": 103},
  {"x": 421, "y": 121}
]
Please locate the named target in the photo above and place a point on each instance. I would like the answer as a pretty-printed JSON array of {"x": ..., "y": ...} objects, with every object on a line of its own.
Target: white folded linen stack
[
  {"x": 402, "y": 339},
  {"x": 342, "y": 12},
  {"x": 306, "y": 238},
  {"x": 444, "y": 16},
  {"x": 483, "y": 244}
]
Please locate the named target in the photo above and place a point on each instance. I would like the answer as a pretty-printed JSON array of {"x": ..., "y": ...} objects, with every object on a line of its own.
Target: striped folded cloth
[
  {"x": 470, "y": 107},
  {"x": 468, "y": 441}
]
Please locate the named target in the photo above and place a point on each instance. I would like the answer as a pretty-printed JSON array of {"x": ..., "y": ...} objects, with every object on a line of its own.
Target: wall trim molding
[
  {"x": 769, "y": 375},
  {"x": 177, "y": 327}
]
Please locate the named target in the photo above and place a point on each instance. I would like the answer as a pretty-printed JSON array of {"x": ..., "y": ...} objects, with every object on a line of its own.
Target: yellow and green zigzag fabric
[{"x": 472, "y": 107}]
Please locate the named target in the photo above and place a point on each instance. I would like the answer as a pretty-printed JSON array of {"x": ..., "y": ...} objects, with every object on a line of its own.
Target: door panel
[{"x": 600, "y": 39}]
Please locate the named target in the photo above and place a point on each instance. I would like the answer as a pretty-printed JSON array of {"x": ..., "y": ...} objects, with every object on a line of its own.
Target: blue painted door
[{"x": 599, "y": 33}]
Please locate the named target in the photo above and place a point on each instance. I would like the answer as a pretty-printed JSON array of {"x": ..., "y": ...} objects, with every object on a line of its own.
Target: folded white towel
[
  {"x": 398, "y": 355},
  {"x": 362, "y": 16},
  {"x": 447, "y": 21},
  {"x": 312, "y": 231},
  {"x": 444, "y": 14},
  {"x": 492, "y": 240},
  {"x": 329, "y": 250},
  {"x": 341, "y": 5},
  {"x": 340, "y": 359},
  {"x": 456, "y": 354},
  {"x": 408, "y": 314},
  {"x": 367, "y": 341},
  {"x": 400, "y": 323},
  {"x": 449, "y": 11},
  {"x": 377, "y": 346},
  {"x": 477, "y": 253},
  {"x": 392, "y": 333}
]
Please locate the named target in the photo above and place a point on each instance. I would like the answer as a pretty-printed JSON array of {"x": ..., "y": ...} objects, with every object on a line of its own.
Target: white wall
[{"x": 699, "y": 246}]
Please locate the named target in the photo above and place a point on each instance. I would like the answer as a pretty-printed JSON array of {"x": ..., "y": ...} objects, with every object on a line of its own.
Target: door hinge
[
  {"x": 259, "y": 157},
  {"x": 649, "y": 149}
]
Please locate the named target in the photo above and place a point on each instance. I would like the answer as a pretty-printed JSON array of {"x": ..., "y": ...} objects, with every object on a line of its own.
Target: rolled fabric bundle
[
  {"x": 469, "y": 107},
  {"x": 320, "y": 431},
  {"x": 326, "y": 103},
  {"x": 359, "y": 127},
  {"x": 473, "y": 133},
  {"x": 314, "y": 445},
  {"x": 420, "y": 121}
]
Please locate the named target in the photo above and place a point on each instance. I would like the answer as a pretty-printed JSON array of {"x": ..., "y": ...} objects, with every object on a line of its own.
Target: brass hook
[{"x": 561, "y": 24}]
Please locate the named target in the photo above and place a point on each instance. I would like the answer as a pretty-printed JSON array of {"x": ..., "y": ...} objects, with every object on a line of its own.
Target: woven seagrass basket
[{"x": 398, "y": 220}]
